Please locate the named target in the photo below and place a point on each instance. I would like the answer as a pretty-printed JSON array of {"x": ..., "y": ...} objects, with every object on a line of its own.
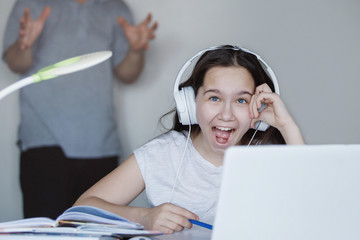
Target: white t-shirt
[{"x": 198, "y": 182}]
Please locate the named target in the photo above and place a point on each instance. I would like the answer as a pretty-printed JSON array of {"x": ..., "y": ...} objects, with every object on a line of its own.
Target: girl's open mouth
[{"x": 222, "y": 134}]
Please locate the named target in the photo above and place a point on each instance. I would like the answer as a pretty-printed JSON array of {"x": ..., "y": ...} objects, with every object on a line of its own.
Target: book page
[
  {"x": 89, "y": 214},
  {"x": 29, "y": 222}
]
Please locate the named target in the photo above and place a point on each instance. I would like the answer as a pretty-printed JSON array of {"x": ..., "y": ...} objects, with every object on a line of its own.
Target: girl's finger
[{"x": 262, "y": 88}]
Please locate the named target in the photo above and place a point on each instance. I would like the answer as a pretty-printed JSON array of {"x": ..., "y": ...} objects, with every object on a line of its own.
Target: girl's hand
[
  {"x": 31, "y": 29},
  {"x": 168, "y": 218},
  {"x": 275, "y": 114}
]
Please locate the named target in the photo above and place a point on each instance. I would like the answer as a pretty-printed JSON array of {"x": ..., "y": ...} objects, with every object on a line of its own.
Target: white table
[{"x": 195, "y": 233}]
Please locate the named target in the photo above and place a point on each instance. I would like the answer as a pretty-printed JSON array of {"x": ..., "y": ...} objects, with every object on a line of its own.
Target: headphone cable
[
  {"x": 183, "y": 156},
  {"x": 179, "y": 167},
  {"x": 253, "y": 135}
]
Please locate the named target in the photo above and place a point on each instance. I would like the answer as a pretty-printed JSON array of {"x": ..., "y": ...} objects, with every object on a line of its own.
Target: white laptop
[{"x": 290, "y": 193}]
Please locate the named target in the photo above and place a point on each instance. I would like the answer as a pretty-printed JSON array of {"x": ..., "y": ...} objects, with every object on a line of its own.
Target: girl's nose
[{"x": 226, "y": 113}]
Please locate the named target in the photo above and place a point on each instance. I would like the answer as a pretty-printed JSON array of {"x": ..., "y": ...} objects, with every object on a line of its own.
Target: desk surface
[{"x": 196, "y": 233}]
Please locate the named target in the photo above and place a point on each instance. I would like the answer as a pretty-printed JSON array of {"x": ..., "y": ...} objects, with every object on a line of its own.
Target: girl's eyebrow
[{"x": 242, "y": 92}]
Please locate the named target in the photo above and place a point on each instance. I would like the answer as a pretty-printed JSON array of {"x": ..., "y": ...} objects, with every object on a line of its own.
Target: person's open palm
[
  {"x": 139, "y": 35},
  {"x": 31, "y": 29}
]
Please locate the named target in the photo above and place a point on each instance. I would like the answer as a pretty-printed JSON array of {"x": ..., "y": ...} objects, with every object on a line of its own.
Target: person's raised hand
[
  {"x": 31, "y": 29},
  {"x": 139, "y": 35}
]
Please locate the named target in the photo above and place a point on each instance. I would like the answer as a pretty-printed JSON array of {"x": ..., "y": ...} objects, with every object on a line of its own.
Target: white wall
[
  {"x": 313, "y": 47},
  {"x": 10, "y": 194}
]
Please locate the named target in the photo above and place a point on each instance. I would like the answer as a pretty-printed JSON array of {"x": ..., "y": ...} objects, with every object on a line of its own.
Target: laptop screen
[{"x": 289, "y": 192}]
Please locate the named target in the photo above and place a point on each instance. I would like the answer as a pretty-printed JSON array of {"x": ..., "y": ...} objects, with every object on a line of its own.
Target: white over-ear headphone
[{"x": 185, "y": 97}]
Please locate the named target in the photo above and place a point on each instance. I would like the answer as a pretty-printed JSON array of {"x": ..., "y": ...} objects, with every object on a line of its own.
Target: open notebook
[{"x": 290, "y": 192}]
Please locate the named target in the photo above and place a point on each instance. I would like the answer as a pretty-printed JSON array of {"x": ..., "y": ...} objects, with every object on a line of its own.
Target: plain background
[{"x": 313, "y": 46}]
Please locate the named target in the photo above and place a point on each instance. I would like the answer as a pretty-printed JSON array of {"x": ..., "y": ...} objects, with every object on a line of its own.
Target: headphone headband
[
  {"x": 185, "y": 98},
  {"x": 187, "y": 64}
]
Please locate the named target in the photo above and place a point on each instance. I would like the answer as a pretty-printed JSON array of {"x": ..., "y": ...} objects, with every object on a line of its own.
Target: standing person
[
  {"x": 181, "y": 171},
  {"x": 68, "y": 135}
]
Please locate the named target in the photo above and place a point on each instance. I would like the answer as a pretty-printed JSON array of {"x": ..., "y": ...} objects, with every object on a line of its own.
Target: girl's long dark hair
[{"x": 229, "y": 56}]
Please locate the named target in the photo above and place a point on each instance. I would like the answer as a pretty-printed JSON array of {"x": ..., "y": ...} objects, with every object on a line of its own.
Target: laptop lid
[{"x": 290, "y": 192}]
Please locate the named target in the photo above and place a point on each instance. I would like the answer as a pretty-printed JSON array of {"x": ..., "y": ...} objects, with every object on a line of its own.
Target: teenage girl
[{"x": 181, "y": 175}]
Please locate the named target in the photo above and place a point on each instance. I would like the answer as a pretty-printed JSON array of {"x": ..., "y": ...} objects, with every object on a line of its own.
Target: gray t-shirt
[
  {"x": 198, "y": 183},
  {"x": 74, "y": 111}
]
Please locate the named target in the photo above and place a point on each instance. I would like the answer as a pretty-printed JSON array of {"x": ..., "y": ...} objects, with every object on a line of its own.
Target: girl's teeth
[{"x": 224, "y": 129}]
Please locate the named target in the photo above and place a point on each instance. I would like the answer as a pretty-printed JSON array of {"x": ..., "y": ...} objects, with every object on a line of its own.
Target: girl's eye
[
  {"x": 215, "y": 99},
  {"x": 241, "y": 100}
]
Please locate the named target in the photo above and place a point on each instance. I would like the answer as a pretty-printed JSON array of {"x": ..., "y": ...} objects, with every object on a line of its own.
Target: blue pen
[{"x": 201, "y": 224}]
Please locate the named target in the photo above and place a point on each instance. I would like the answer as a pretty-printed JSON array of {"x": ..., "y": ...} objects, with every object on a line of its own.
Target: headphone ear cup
[
  {"x": 191, "y": 104},
  {"x": 261, "y": 126},
  {"x": 185, "y": 105},
  {"x": 181, "y": 107}
]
